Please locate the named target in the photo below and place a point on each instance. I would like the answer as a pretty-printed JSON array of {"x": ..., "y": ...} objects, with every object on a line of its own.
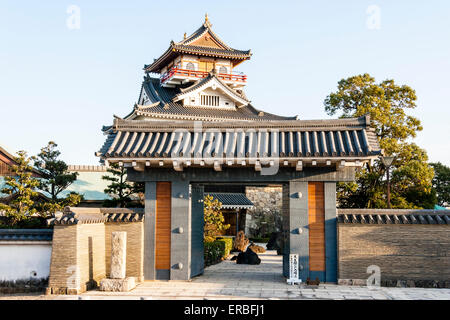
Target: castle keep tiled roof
[
  {"x": 186, "y": 46},
  {"x": 161, "y": 105}
]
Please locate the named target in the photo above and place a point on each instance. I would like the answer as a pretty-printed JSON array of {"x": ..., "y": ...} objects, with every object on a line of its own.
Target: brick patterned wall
[
  {"x": 135, "y": 247},
  {"x": 78, "y": 258},
  {"x": 63, "y": 260},
  {"x": 91, "y": 254},
  {"x": 403, "y": 252}
]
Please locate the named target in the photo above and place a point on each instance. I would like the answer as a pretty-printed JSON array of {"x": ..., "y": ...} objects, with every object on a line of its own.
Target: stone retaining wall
[{"x": 268, "y": 206}]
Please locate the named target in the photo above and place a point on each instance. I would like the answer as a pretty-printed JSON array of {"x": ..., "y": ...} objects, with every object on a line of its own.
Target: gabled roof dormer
[
  {"x": 205, "y": 37},
  {"x": 211, "y": 92}
]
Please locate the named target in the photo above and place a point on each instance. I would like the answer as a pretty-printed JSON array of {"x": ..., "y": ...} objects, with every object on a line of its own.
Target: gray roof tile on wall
[
  {"x": 26, "y": 234},
  {"x": 393, "y": 216}
]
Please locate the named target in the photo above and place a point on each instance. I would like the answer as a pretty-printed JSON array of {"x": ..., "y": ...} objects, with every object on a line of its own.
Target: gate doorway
[{"x": 238, "y": 196}]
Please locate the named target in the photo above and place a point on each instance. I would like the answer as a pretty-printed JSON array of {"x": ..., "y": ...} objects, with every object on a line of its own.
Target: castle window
[
  {"x": 209, "y": 100},
  {"x": 190, "y": 66},
  {"x": 223, "y": 70}
]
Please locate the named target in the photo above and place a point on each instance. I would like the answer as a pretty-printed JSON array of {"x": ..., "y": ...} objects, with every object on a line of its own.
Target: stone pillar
[
  {"x": 118, "y": 255},
  {"x": 149, "y": 230},
  {"x": 180, "y": 251},
  {"x": 118, "y": 281},
  {"x": 298, "y": 225}
]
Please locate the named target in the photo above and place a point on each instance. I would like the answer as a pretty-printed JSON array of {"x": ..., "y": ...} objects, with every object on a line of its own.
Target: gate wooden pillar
[{"x": 298, "y": 234}]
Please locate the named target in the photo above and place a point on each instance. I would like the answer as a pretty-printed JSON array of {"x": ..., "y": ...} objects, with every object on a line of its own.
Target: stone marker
[
  {"x": 118, "y": 280},
  {"x": 118, "y": 255}
]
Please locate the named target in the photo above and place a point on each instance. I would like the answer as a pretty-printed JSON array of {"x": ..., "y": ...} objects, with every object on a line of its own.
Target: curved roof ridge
[
  {"x": 205, "y": 27},
  {"x": 360, "y": 122}
]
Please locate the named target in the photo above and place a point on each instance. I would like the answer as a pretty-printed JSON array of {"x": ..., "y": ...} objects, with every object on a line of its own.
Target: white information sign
[{"x": 293, "y": 269}]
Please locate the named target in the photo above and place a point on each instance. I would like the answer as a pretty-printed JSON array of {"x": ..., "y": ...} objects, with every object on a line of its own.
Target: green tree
[
  {"x": 119, "y": 188},
  {"x": 54, "y": 179},
  {"x": 441, "y": 183},
  {"x": 21, "y": 186},
  {"x": 387, "y": 104},
  {"x": 214, "y": 220}
]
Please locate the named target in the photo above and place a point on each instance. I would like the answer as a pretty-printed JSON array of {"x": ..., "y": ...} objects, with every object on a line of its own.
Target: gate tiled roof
[
  {"x": 232, "y": 200},
  {"x": 344, "y": 138}
]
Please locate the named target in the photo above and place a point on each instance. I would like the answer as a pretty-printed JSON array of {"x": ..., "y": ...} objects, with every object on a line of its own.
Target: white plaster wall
[{"x": 18, "y": 260}]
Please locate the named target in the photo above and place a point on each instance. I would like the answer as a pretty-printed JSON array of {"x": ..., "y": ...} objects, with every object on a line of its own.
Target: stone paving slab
[{"x": 229, "y": 281}]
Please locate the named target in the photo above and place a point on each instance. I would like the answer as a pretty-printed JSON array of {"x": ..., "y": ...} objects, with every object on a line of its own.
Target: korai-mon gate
[{"x": 193, "y": 126}]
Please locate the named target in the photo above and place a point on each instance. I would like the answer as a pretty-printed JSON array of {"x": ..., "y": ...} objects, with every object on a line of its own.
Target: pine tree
[
  {"x": 21, "y": 186},
  {"x": 119, "y": 189},
  {"x": 54, "y": 179}
]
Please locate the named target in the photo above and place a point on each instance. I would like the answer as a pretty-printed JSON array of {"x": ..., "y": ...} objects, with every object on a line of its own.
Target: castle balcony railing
[{"x": 177, "y": 73}]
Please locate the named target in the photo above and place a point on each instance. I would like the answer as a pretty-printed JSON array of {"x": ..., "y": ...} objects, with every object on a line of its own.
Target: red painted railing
[{"x": 201, "y": 74}]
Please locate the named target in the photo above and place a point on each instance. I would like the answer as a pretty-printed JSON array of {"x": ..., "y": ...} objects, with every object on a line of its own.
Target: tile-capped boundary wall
[
  {"x": 82, "y": 244},
  {"x": 406, "y": 253}
]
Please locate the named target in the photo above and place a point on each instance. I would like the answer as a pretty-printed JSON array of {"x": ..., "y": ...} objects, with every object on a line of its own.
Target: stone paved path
[{"x": 230, "y": 281}]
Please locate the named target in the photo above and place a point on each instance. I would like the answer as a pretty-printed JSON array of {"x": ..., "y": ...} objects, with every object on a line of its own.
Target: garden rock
[
  {"x": 247, "y": 257},
  {"x": 256, "y": 249},
  {"x": 276, "y": 242}
]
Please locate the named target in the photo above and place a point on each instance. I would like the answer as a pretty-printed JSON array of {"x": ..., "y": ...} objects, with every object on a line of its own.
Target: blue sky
[{"x": 63, "y": 84}]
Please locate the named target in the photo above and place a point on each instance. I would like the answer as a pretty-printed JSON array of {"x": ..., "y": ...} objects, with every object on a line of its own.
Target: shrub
[
  {"x": 214, "y": 252},
  {"x": 228, "y": 245},
  {"x": 213, "y": 216},
  {"x": 29, "y": 223},
  {"x": 209, "y": 239}
]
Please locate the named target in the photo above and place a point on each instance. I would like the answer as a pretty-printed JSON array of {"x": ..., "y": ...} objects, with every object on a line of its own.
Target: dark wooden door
[
  {"x": 163, "y": 227},
  {"x": 316, "y": 221},
  {"x": 197, "y": 223}
]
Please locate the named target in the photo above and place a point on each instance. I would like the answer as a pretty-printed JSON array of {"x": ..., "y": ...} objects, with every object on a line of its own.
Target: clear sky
[{"x": 60, "y": 83}]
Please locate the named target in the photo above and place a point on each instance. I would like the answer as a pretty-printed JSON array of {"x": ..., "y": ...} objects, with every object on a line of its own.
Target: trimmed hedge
[
  {"x": 260, "y": 239},
  {"x": 228, "y": 245},
  {"x": 217, "y": 250}
]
